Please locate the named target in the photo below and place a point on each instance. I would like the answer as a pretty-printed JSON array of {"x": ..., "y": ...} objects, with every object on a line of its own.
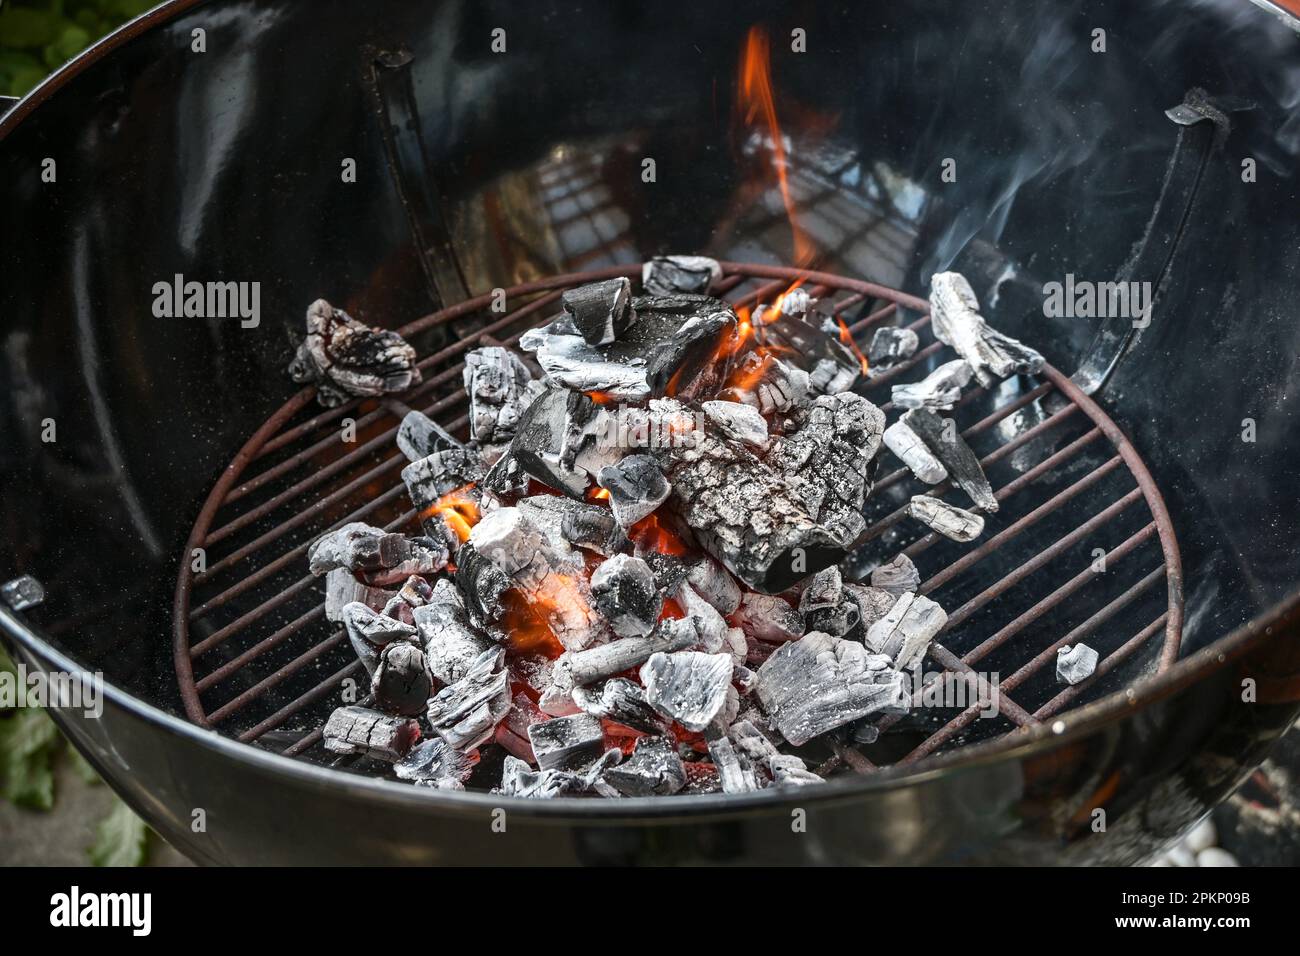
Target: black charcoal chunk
[
  {"x": 622, "y": 701},
  {"x": 1075, "y": 664},
  {"x": 873, "y": 604},
  {"x": 768, "y": 384},
  {"x": 482, "y": 585},
  {"x": 940, "y": 389},
  {"x": 688, "y": 364},
  {"x": 401, "y": 683},
  {"x": 890, "y": 346},
  {"x": 518, "y": 779},
  {"x": 436, "y": 475},
  {"x": 466, "y": 713},
  {"x": 345, "y": 357},
  {"x": 912, "y": 452},
  {"x": 362, "y": 548},
  {"x": 819, "y": 682},
  {"x": 433, "y": 764},
  {"x": 624, "y": 592},
  {"x": 567, "y": 743},
  {"x": 714, "y": 583},
  {"x": 946, "y": 444},
  {"x": 419, "y": 436},
  {"x": 784, "y": 769},
  {"x": 826, "y": 606},
  {"x": 342, "y": 588},
  {"x": 689, "y": 687},
  {"x": 666, "y": 275},
  {"x": 831, "y": 364},
  {"x": 368, "y": 733},
  {"x": 600, "y": 311},
  {"x": 898, "y": 575},
  {"x": 588, "y": 526},
  {"x": 500, "y": 387},
  {"x": 451, "y": 642},
  {"x": 768, "y": 617},
  {"x": 539, "y": 441},
  {"x": 636, "y": 488},
  {"x": 654, "y": 769},
  {"x": 945, "y": 519},
  {"x": 956, "y": 320},
  {"x": 736, "y": 771}
]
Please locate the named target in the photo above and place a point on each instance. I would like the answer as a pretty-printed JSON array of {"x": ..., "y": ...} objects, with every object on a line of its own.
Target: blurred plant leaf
[
  {"x": 28, "y": 742},
  {"x": 122, "y": 839}
]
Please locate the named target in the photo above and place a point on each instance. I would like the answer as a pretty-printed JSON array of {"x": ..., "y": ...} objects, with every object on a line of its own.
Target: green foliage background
[{"x": 38, "y": 36}]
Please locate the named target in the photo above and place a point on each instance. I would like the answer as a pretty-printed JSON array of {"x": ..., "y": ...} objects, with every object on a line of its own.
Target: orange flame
[
  {"x": 756, "y": 100},
  {"x": 457, "y": 509},
  {"x": 649, "y": 534},
  {"x": 847, "y": 338}
]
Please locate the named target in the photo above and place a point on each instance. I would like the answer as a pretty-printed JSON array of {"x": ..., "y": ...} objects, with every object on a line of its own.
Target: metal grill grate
[{"x": 1076, "y": 551}]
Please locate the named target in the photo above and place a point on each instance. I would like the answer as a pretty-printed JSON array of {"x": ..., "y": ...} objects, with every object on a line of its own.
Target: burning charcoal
[
  {"x": 359, "y": 730},
  {"x": 897, "y": 575},
  {"x": 341, "y": 548},
  {"x": 820, "y": 682},
  {"x": 710, "y": 626},
  {"x": 600, "y": 311},
  {"x": 735, "y": 771},
  {"x": 581, "y": 524},
  {"x": 768, "y": 618},
  {"x": 955, "y": 318},
  {"x": 890, "y": 346},
  {"x": 419, "y": 436},
  {"x": 451, "y": 643},
  {"x": 826, "y": 606},
  {"x": 669, "y": 570},
  {"x": 401, "y": 683},
  {"x": 368, "y": 631},
  {"x": 905, "y": 633},
  {"x": 654, "y": 769},
  {"x": 539, "y": 440},
  {"x": 482, "y": 585},
  {"x": 500, "y": 387},
  {"x": 945, "y": 519},
  {"x": 701, "y": 778},
  {"x": 912, "y": 452},
  {"x": 827, "y": 352},
  {"x": 940, "y": 389},
  {"x": 416, "y": 592},
  {"x": 829, "y": 462},
  {"x": 520, "y": 780},
  {"x": 636, "y": 488},
  {"x": 341, "y": 589},
  {"x": 433, "y": 764},
  {"x": 688, "y": 364},
  {"x": 512, "y": 732},
  {"x": 665, "y": 275},
  {"x": 439, "y": 474},
  {"x": 711, "y": 581},
  {"x": 746, "y": 680},
  {"x": 785, "y": 769},
  {"x": 945, "y": 442},
  {"x": 623, "y": 590},
  {"x": 1075, "y": 664},
  {"x": 873, "y": 603},
  {"x": 768, "y": 384},
  {"x": 346, "y": 357},
  {"x": 359, "y": 547},
  {"x": 581, "y": 668},
  {"x": 687, "y": 686},
  {"x": 621, "y": 700},
  {"x": 466, "y": 713},
  {"x": 740, "y": 422},
  {"x": 567, "y": 743}
]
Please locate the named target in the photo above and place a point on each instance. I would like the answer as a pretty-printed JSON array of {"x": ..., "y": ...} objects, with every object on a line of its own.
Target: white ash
[
  {"x": 600, "y": 311},
  {"x": 873, "y": 602},
  {"x": 689, "y": 687},
  {"x": 342, "y": 588},
  {"x": 419, "y": 436},
  {"x": 890, "y": 346},
  {"x": 654, "y": 769},
  {"x": 904, "y": 634},
  {"x": 433, "y": 764},
  {"x": 577, "y": 668},
  {"x": 768, "y": 617},
  {"x": 369, "y": 631},
  {"x": 945, "y": 519},
  {"x": 710, "y": 626},
  {"x": 829, "y": 377},
  {"x": 518, "y": 779},
  {"x": 349, "y": 358},
  {"x": 778, "y": 386},
  {"x": 940, "y": 389},
  {"x": 819, "y": 682},
  {"x": 664, "y": 275},
  {"x": 898, "y": 575},
  {"x": 401, "y": 683},
  {"x": 466, "y": 713},
  {"x": 415, "y": 592},
  {"x": 368, "y": 733},
  {"x": 358, "y": 546},
  {"x": 738, "y": 421},
  {"x": 636, "y": 488},
  {"x": 588, "y": 526},
  {"x": 622, "y": 701},
  {"x": 567, "y": 743},
  {"x": 711, "y": 581},
  {"x": 500, "y": 387},
  {"x": 912, "y": 452},
  {"x": 735, "y": 771},
  {"x": 956, "y": 320},
  {"x": 623, "y": 590},
  {"x": 1075, "y": 664},
  {"x": 940, "y": 435},
  {"x": 784, "y": 769},
  {"x": 451, "y": 642}
]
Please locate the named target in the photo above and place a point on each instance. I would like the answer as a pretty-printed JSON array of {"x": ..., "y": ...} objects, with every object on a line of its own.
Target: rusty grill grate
[{"x": 1077, "y": 550}]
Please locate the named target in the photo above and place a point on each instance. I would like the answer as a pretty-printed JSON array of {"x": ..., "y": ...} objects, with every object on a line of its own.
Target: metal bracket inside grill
[{"x": 1080, "y": 543}]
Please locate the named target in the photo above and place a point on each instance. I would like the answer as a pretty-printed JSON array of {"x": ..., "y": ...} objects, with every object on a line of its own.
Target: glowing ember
[
  {"x": 457, "y": 509},
  {"x": 847, "y": 338}
]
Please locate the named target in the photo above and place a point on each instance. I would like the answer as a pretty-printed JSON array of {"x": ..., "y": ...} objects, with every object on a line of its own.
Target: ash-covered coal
[{"x": 346, "y": 358}]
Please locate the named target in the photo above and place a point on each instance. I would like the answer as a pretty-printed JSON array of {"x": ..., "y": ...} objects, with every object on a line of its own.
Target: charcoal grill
[{"x": 254, "y": 654}]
